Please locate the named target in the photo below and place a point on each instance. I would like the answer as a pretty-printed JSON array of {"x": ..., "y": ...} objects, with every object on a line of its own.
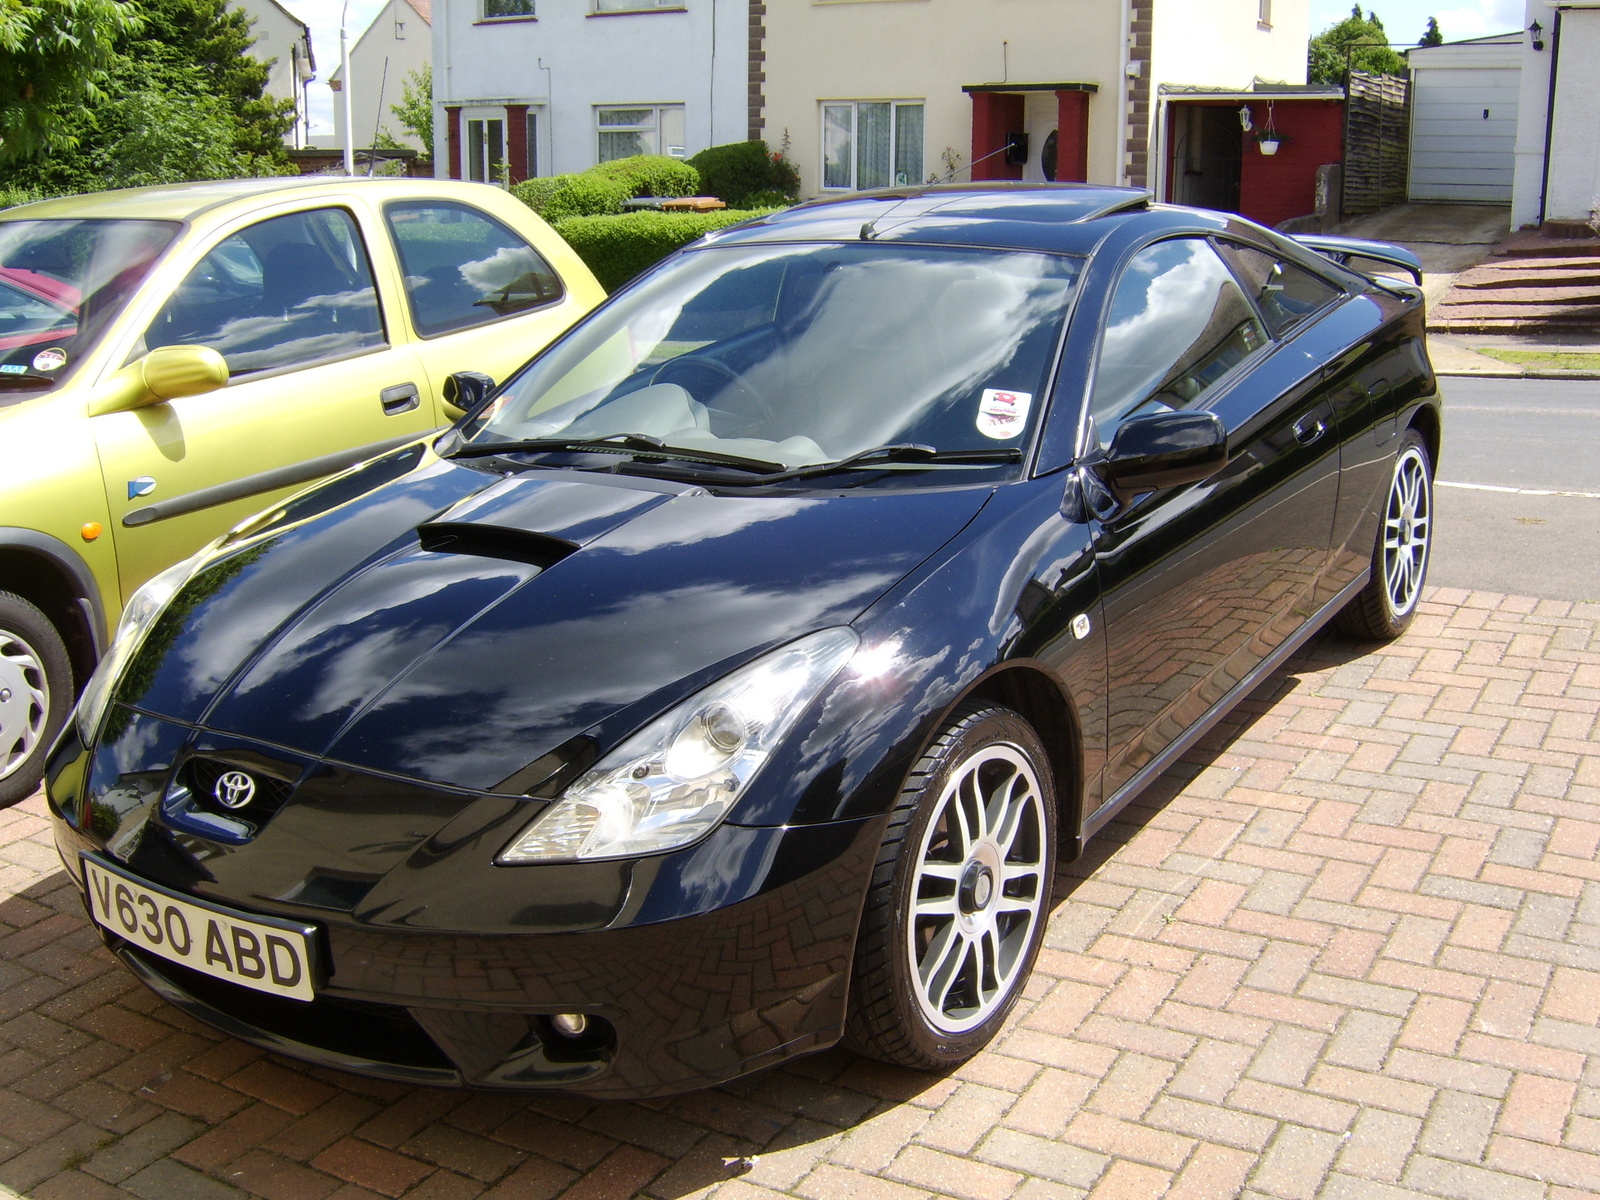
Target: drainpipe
[
  {"x": 1550, "y": 115},
  {"x": 1122, "y": 92}
]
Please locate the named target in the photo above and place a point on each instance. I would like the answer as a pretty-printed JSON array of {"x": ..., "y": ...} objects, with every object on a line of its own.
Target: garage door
[{"x": 1463, "y": 134}]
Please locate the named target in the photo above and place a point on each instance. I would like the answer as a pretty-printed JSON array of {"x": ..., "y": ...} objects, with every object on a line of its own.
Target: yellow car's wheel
[{"x": 35, "y": 695}]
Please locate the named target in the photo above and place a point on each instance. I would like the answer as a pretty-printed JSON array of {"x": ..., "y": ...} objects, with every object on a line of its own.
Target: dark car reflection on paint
[{"x": 732, "y": 679}]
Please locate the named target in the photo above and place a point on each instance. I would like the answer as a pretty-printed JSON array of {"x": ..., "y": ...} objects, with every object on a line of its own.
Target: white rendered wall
[
  {"x": 397, "y": 42},
  {"x": 276, "y": 33},
  {"x": 658, "y": 57},
  {"x": 1574, "y": 189},
  {"x": 1221, "y": 44},
  {"x": 927, "y": 50}
]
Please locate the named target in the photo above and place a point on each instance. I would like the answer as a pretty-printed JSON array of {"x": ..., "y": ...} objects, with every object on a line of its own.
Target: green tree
[
  {"x": 1358, "y": 42},
  {"x": 54, "y": 56},
  {"x": 415, "y": 109},
  {"x": 1432, "y": 37},
  {"x": 181, "y": 100}
]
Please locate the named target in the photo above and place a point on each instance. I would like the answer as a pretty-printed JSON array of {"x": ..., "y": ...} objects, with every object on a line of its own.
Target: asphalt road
[{"x": 1518, "y": 495}]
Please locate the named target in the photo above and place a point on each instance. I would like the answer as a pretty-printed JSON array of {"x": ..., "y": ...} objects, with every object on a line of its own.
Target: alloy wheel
[
  {"x": 1407, "y": 529},
  {"x": 24, "y": 701},
  {"x": 978, "y": 889}
]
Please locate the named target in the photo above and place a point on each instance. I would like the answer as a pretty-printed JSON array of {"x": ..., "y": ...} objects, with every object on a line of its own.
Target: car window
[
  {"x": 1286, "y": 294},
  {"x": 286, "y": 292},
  {"x": 463, "y": 267},
  {"x": 1178, "y": 323}
]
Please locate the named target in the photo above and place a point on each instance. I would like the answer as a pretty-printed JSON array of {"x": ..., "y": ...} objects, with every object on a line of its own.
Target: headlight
[
  {"x": 671, "y": 782},
  {"x": 137, "y": 617}
]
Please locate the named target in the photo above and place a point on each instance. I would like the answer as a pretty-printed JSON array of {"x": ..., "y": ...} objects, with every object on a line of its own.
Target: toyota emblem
[{"x": 234, "y": 790}]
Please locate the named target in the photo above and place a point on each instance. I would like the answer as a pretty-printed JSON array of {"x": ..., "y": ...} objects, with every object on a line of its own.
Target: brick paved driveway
[{"x": 1351, "y": 948}]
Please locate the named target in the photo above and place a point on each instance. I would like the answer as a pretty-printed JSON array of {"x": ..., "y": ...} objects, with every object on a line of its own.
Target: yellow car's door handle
[{"x": 401, "y": 398}]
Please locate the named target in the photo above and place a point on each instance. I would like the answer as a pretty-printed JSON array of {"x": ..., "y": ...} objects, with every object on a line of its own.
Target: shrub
[
  {"x": 561, "y": 196},
  {"x": 651, "y": 175},
  {"x": 743, "y": 173},
  {"x": 618, "y": 248},
  {"x": 10, "y": 197}
]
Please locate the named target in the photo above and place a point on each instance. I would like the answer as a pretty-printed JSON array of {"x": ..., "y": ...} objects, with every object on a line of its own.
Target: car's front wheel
[
  {"x": 35, "y": 695},
  {"x": 959, "y": 896},
  {"x": 1382, "y": 610}
]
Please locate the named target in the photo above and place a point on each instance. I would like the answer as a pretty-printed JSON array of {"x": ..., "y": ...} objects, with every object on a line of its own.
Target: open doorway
[{"x": 1207, "y": 142}]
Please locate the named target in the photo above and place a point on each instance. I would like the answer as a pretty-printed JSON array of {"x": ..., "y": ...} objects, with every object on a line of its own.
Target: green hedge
[
  {"x": 618, "y": 248},
  {"x": 557, "y": 197},
  {"x": 747, "y": 175},
  {"x": 651, "y": 175},
  {"x": 606, "y": 189}
]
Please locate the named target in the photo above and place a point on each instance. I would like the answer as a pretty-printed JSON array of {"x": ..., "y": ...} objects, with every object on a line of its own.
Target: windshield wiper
[
  {"x": 25, "y": 379},
  {"x": 896, "y": 452},
  {"x": 638, "y": 446}
]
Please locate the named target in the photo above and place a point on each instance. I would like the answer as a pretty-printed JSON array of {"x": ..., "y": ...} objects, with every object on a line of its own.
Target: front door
[
  {"x": 1204, "y": 581},
  {"x": 290, "y": 303}
]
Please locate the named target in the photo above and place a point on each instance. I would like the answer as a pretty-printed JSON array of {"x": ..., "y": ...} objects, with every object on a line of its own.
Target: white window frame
[
  {"x": 1264, "y": 13},
  {"x": 481, "y": 168},
  {"x": 625, "y": 6},
  {"x": 894, "y": 142},
  {"x": 651, "y": 128}
]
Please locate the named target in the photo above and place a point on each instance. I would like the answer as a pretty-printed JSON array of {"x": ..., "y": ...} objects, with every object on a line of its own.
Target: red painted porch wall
[
  {"x": 994, "y": 115},
  {"x": 1277, "y": 187}
]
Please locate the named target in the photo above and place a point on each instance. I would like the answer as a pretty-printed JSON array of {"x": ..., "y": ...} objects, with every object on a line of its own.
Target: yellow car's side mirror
[{"x": 166, "y": 373}]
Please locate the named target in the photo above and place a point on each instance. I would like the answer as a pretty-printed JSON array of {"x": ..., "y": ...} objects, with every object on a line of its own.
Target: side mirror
[
  {"x": 464, "y": 389},
  {"x": 166, "y": 373},
  {"x": 1164, "y": 450}
]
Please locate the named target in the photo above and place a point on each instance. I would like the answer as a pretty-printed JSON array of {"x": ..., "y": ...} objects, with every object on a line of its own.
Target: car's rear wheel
[
  {"x": 35, "y": 695},
  {"x": 959, "y": 896},
  {"x": 1382, "y": 610}
]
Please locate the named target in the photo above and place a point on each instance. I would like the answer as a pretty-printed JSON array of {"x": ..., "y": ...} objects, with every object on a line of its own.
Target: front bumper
[{"x": 721, "y": 959}]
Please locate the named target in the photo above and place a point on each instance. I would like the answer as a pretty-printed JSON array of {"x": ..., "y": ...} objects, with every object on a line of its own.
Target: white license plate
[{"x": 261, "y": 953}]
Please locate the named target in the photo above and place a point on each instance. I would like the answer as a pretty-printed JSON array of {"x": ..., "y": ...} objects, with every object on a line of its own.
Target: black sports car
[{"x": 732, "y": 679}]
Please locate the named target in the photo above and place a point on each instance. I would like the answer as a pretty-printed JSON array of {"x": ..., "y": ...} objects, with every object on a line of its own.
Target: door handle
[
  {"x": 1309, "y": 428},
  {"x": 401, "y": 398}
]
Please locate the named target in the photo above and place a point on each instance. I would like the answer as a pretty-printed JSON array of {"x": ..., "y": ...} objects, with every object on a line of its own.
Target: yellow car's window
[
  {"x": 463, "y": 267},
  {"x": 286, "y": 292}
]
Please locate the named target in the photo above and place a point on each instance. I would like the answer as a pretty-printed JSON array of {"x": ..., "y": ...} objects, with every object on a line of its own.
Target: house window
[
  {"x": 634, "y": 5},
  {"x": 640, "y": 129},
  {"x": 507, "y": 8},
  {"x": 1264, "y": 12},
  {"x": 870, "y": 144},
  {"x": 486, "y": 149}
]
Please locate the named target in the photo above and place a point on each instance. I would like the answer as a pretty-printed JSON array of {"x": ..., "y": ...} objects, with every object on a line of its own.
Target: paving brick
[{"x": 1348, "y": 948}]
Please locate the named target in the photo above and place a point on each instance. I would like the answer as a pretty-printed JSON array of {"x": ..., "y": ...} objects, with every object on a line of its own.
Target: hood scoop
[{"x": 542, "y": 550}]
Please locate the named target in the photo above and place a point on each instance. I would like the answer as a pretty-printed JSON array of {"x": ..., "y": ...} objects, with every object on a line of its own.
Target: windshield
[
  {"x": 806, "y": 354},
  {"x": 61, "y": 283}
]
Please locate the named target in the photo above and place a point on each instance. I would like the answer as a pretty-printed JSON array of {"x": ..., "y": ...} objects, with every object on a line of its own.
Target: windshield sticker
[
  {"x": 1002, "y": 415},
  {"x": 13, "y": 369},
  {"x": 52, "y": 359}
]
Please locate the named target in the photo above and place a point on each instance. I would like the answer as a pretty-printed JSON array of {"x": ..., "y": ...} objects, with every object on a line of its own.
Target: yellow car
[{"x": 174, "y": 359}]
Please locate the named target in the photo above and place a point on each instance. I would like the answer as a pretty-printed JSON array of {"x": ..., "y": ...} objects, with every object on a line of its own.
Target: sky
[{"x": 1405, "y": 21}]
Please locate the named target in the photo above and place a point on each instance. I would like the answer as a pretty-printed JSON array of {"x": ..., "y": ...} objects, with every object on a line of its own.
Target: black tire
[
  {"x": 35, "y": 695},
  {"x": 895, "y": 1016},
  {"x": 1382, "y": 610}
]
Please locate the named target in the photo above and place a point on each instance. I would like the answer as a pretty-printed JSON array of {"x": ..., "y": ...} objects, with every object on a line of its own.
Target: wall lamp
[{"x": 1536, "y": 30}]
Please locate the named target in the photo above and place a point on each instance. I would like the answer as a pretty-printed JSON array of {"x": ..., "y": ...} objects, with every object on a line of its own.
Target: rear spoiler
[{"x": 1359, "y": 255}]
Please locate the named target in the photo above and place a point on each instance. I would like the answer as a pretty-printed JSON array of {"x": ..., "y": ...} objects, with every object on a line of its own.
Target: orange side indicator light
[{"x": 91, "y": 530}]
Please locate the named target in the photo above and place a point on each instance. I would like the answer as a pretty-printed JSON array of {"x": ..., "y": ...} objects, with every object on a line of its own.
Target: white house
[
  {"x": 286, "y": 41},
  {"x": 873, "y": 92},
  {"x": 1558, "y": 130},
  {"x": 544, "y": 87},
  {"x": 398, "y": 42}
]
